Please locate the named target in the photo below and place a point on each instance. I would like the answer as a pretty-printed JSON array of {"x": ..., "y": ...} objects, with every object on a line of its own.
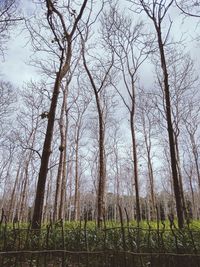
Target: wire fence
[{"x": 87, "y": 246}]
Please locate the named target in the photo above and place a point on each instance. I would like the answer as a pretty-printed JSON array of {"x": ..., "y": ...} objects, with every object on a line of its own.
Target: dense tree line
[{"x": 112, "y": 122}]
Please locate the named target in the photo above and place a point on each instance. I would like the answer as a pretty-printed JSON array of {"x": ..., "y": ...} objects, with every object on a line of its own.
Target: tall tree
[
  {"x": 147, "y": 119},
  {"x": 127, "y": 45},
  {"x": 64, "y": 38},
  {"x": 80, "y": 108},
  {"x": 156, "y": 12},
  {"x": 99, "y": 78}
]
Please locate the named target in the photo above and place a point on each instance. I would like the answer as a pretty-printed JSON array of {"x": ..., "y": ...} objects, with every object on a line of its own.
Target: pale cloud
[{"x": 15, "y": 67}]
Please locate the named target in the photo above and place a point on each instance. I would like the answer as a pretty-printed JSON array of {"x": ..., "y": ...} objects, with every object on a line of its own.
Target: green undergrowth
[{"x": 147, "y": 237}]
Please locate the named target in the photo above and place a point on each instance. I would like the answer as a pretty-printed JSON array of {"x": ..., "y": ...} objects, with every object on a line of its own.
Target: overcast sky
[{"x": 15, "y": 66}]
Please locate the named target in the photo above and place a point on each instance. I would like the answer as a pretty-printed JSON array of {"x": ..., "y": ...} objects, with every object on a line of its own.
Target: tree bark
[
  {"x": 65, "y": 61},
  {"x": 62, "y": 150},
  {"x": 77, "y": 180},
  {"x": 135, "y": 164},
  {"x": 39, "y": 199},
  {"x": 102, "y": 169},
  {"x": 102, "y": 178},
  {"x": 13, "y": 196},
  {"x": 64, "y": 174},
  {"x": 176, "y": 185}
]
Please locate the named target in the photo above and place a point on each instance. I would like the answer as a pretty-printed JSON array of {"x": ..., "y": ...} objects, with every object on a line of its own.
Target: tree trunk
[
  {"x": 194, "y": 206},
  {"x": 196, "y": 157},
  {"x": 77, "y": 182},
  {"x": 151, "y": 181},
  {"x": 61, "y": 214},
  {"x": 135, "y": 164},
  {"x": 102, "y": 170},
  {"x": 180, "y": 176},
  {"x": 46, "y": 216},
  {"x": 177, "y": 193},
  {"x": 102, "y": 179},
  {"x": 39, "y": 199},
  {"x": 147, "y": 139},
  {"x": 13, "y": 196},
  {"x": 62, "y": 150},
  {"x": 24, "y": 191}
]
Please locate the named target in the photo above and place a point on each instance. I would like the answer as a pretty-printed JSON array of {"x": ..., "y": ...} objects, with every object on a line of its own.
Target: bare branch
[{"x": 185, "y": 12}]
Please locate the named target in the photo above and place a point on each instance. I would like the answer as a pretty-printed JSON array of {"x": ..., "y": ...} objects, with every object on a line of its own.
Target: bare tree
[
  {"x": 64, "y": 38},
  {"x": 147, "y": 119},
  {"x": 127, "y": 43},
  {"x": 79, "y": 109},
  {"x": 62, "y": 150},
  {"x": 156, "y": 12},
  {"x": 189, "y": 7},
  {"x": 8, "y": 99},
  {"x": 191, "y": 122},
  {"x": 99, "y": 78},
  {"x": 27, "y": 132},
  {"x": 8, "y": 17}
]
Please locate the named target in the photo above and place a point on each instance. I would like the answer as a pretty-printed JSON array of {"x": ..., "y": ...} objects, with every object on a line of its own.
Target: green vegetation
[
  {"x": 115, "y": 244},
  {"x": 72, "y": 236}
]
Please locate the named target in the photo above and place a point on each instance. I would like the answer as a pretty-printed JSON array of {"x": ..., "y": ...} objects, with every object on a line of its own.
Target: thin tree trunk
[
  {"x": 135, "y": 164},
  {"x": 195, "y": 213},
  {"x": 102, "y": 170},
  {"x": 61, "y": 213},
  {"x": 13, "y": 196},
  {"x": 70, "y": 193},
  {"x": 151, "y": 181},
  {"x": 196, "y": 158},
  {"x": 150, "y": 169},
  {"x": 77, "y": 182},
  {"x": 62, "y": 150},
  {"x": 24, "y": 192},
  {"x": 4, "y": 197},
  {"x": 47, "y": 214},
  {"x": 102, "y": 180},
  {"x": 177, "y": 193},
  {"x": 180, "y": 176}
]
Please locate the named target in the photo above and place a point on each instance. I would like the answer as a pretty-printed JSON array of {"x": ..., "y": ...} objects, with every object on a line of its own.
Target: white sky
[{"x": 15, "y": 68}]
